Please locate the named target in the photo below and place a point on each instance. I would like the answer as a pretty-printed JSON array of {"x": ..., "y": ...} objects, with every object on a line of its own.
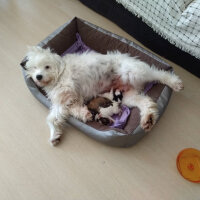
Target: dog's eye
[{"x": 47, "y": 67}]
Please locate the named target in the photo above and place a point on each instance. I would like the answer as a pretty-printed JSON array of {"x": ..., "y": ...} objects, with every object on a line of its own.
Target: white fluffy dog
[{"x": 72, "y": 80}]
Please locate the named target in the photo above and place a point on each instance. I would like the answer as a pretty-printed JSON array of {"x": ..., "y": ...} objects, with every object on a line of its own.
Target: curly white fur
[{"x": 71, "y": 80}]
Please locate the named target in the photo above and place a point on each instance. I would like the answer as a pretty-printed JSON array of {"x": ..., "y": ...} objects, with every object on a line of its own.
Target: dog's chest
[
  {"x": 91, "y": 88},
  {"x": 92, "y": 76},
  {"x": 91, "y": 83}
]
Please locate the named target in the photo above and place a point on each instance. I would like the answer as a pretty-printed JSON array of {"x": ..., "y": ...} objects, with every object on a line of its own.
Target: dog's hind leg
[
  {"x": 164, "y": 77},
  {"x": 137, "y": 73},
  {"x": 148, "y": 108}
]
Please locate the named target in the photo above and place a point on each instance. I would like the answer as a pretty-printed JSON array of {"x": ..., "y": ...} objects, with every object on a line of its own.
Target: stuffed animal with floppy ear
[{"x": 103, "y": 107}]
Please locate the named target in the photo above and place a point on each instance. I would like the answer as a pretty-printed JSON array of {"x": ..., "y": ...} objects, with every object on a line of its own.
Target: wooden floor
[{"x": 81, "y": 168}]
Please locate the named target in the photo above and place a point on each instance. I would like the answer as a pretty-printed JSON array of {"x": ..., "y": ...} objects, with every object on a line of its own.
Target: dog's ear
[{"x": 23, "y": 63}]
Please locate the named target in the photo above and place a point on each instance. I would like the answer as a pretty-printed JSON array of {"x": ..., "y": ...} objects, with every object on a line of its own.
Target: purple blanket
[
  {"x": 120, "y": 119},
  {"x": 78, "y": 47}
]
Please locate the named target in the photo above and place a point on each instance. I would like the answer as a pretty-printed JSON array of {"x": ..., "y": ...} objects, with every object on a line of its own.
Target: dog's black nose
[{"x": 39, "y": 77}]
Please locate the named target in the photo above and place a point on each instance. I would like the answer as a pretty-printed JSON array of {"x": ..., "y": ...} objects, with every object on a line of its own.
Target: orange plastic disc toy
[{"x": 188, "y": 164}]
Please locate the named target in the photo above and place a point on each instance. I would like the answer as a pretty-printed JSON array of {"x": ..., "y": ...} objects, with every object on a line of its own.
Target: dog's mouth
[{"x": 42, "y": 83}]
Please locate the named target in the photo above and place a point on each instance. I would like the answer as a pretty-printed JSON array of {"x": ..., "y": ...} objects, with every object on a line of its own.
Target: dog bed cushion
[
  {"x": 102, "y": 41},
  {"x": 78, "y": 47}
]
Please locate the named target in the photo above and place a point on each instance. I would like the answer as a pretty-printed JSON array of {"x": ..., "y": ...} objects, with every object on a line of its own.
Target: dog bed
[{"x": 102, "y": 41}]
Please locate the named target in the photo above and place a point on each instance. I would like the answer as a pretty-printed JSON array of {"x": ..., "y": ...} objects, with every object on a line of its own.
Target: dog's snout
[{"x": 39, "y": 77}]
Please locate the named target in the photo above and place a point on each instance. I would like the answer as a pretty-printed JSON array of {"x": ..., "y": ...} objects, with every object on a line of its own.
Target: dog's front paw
[
  {"x": 56, "y": 140},
  {"x": 89, "y": 116},
  {"x": 85, "y": 114}
]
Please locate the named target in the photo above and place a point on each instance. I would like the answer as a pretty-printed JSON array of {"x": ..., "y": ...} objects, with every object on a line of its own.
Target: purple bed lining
[{"x": 78, "y": 47}]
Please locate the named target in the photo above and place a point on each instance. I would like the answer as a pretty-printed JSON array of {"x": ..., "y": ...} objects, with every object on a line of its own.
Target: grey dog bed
[{"x": 102, "y": 41}]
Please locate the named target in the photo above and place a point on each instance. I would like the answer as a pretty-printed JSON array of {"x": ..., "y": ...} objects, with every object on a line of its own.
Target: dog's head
[{"x": 43, "y": 66}]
